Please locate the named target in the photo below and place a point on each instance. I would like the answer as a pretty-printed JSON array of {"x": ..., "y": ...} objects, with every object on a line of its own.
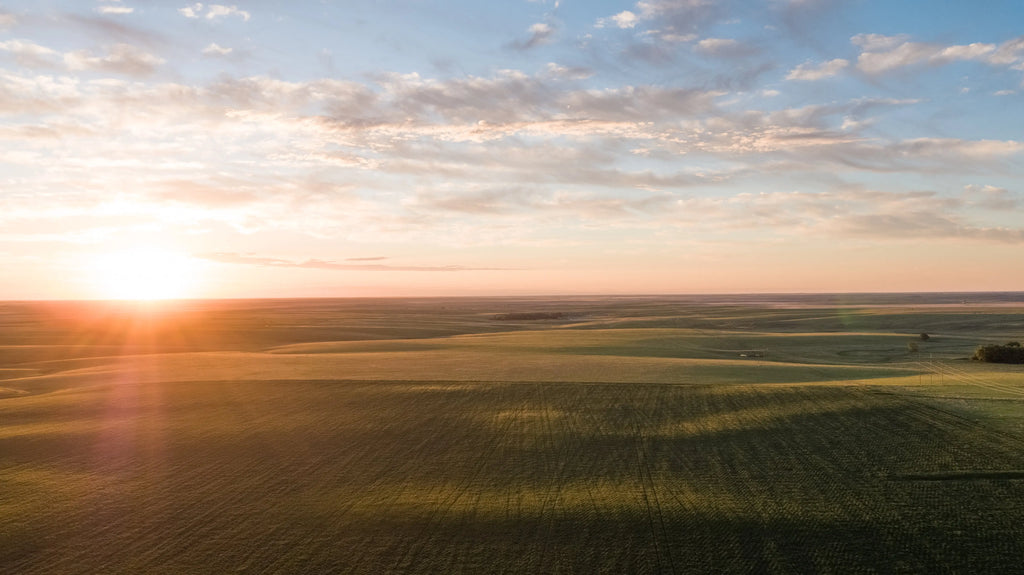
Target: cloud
[
  {"x": 193, "y": 11},
  {"x": 657, "y": 53},
  {"x": 923, "y": 225},
  {"x": 537, "y": 202},
  {"x": 30, "y": 54},
  {"x": 7, "y": 20},
  {"x": 114, "y": 9},
  {"x": 120, "y": 58},
  {"x": 810, "y": 72},
  {"x": 640, "y": 103},
  {"x": 850, "y": 212},
  {"x": 680, "y": 16},
  {"x": 219, "y": 193},
  {"x": 213, "y": 11},
  {"x": 669, "y": 21},
  {"x": 216, "y": 50},
  {"x": 881, "y": 54},
  {"x": 991, "y": 197},
  {"x": 723, "y": 48},
  {"x": 540, "y": 33},
  {"x": 218, "y": 11},
  {"x": 252, "y": 260},
  {"x": 409, "y": 155},
  {"x": 623, "y": 20},
  {"x": 559, "y": 72}
]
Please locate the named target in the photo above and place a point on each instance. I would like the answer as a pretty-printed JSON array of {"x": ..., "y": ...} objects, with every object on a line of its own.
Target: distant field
[{"x": 632, "y": 435}]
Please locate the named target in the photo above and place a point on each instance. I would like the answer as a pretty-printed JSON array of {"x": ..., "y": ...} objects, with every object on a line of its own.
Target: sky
[{"x": 151, "y": 148}]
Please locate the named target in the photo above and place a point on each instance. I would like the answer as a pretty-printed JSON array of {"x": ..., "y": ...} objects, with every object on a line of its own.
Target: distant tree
[
  {"x": 912, "y": 347},
  {"x": 1012, "y": 352},
  {"x": 925, "y": 337}
]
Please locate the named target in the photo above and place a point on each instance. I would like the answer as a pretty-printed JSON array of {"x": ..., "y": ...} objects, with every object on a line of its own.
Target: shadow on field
[{"x": 298, "y": 477}]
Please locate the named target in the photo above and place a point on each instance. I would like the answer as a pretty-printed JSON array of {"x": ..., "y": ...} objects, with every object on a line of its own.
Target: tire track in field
[
  {"x": 555, "y": 483},
  {"x": 430, "y": 528},
  {"x": 649, "y": 491},
  {"x": 565, "y": 446},
  {"x": 963, "y": 376}
]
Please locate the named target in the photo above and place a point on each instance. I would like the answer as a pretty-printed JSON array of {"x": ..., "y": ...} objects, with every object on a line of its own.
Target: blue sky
[{"x": 517, "y": 147}]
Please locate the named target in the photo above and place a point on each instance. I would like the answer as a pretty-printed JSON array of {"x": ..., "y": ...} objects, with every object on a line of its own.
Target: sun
[{"x": 144, "y": 273}]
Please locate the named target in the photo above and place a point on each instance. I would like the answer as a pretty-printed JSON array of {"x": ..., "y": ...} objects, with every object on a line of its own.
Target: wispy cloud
[
  {"x": 991, "y": 197},
  {"x": 7, "y": 20},
  {"x": 216, "y": 50},
  {"x": 253, "y": 260},
  {"x": 30, "y": 54},
  {"x": 881, "y": 54},
  {"x": 724, "y": 48},
  {"x": 540, "y": 33},
  {"x": 119, "y": 59},
  {"x": 114, "y": 9},
  {"x": 809, "y": 71}
]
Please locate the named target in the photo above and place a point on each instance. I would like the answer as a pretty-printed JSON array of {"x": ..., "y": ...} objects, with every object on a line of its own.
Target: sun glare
[{"x": 144, "y": 274}]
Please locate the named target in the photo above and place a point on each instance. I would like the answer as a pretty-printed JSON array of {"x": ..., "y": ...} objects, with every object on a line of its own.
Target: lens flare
[{"x": 144, "y": 274}]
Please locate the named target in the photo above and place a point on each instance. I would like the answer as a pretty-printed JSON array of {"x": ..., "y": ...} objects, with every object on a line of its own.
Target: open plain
[{"x": 512, "y": 435}]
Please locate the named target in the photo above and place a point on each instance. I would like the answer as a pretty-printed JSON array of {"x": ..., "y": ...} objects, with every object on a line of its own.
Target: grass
[{"x": 590, "y": 446}]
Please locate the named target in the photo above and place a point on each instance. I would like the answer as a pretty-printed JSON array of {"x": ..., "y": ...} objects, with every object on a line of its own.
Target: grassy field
[{"x": 634, "y": 435}]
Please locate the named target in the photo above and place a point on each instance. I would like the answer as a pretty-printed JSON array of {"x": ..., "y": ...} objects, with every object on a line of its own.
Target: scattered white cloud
[
  {"x": 810, "y": 72},
  {"x": 624, "y": 20},
  {"x": 219, "y": 10},
  {"x": 192, "y": 11},
  {"x": 214, "y": 49},
  {"x": 672, "y": 21},
  {"x": 213, "y": 11}
]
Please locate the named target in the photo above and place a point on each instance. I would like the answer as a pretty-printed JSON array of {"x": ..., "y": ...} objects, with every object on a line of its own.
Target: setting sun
[{"x": 144, "y": 274}]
